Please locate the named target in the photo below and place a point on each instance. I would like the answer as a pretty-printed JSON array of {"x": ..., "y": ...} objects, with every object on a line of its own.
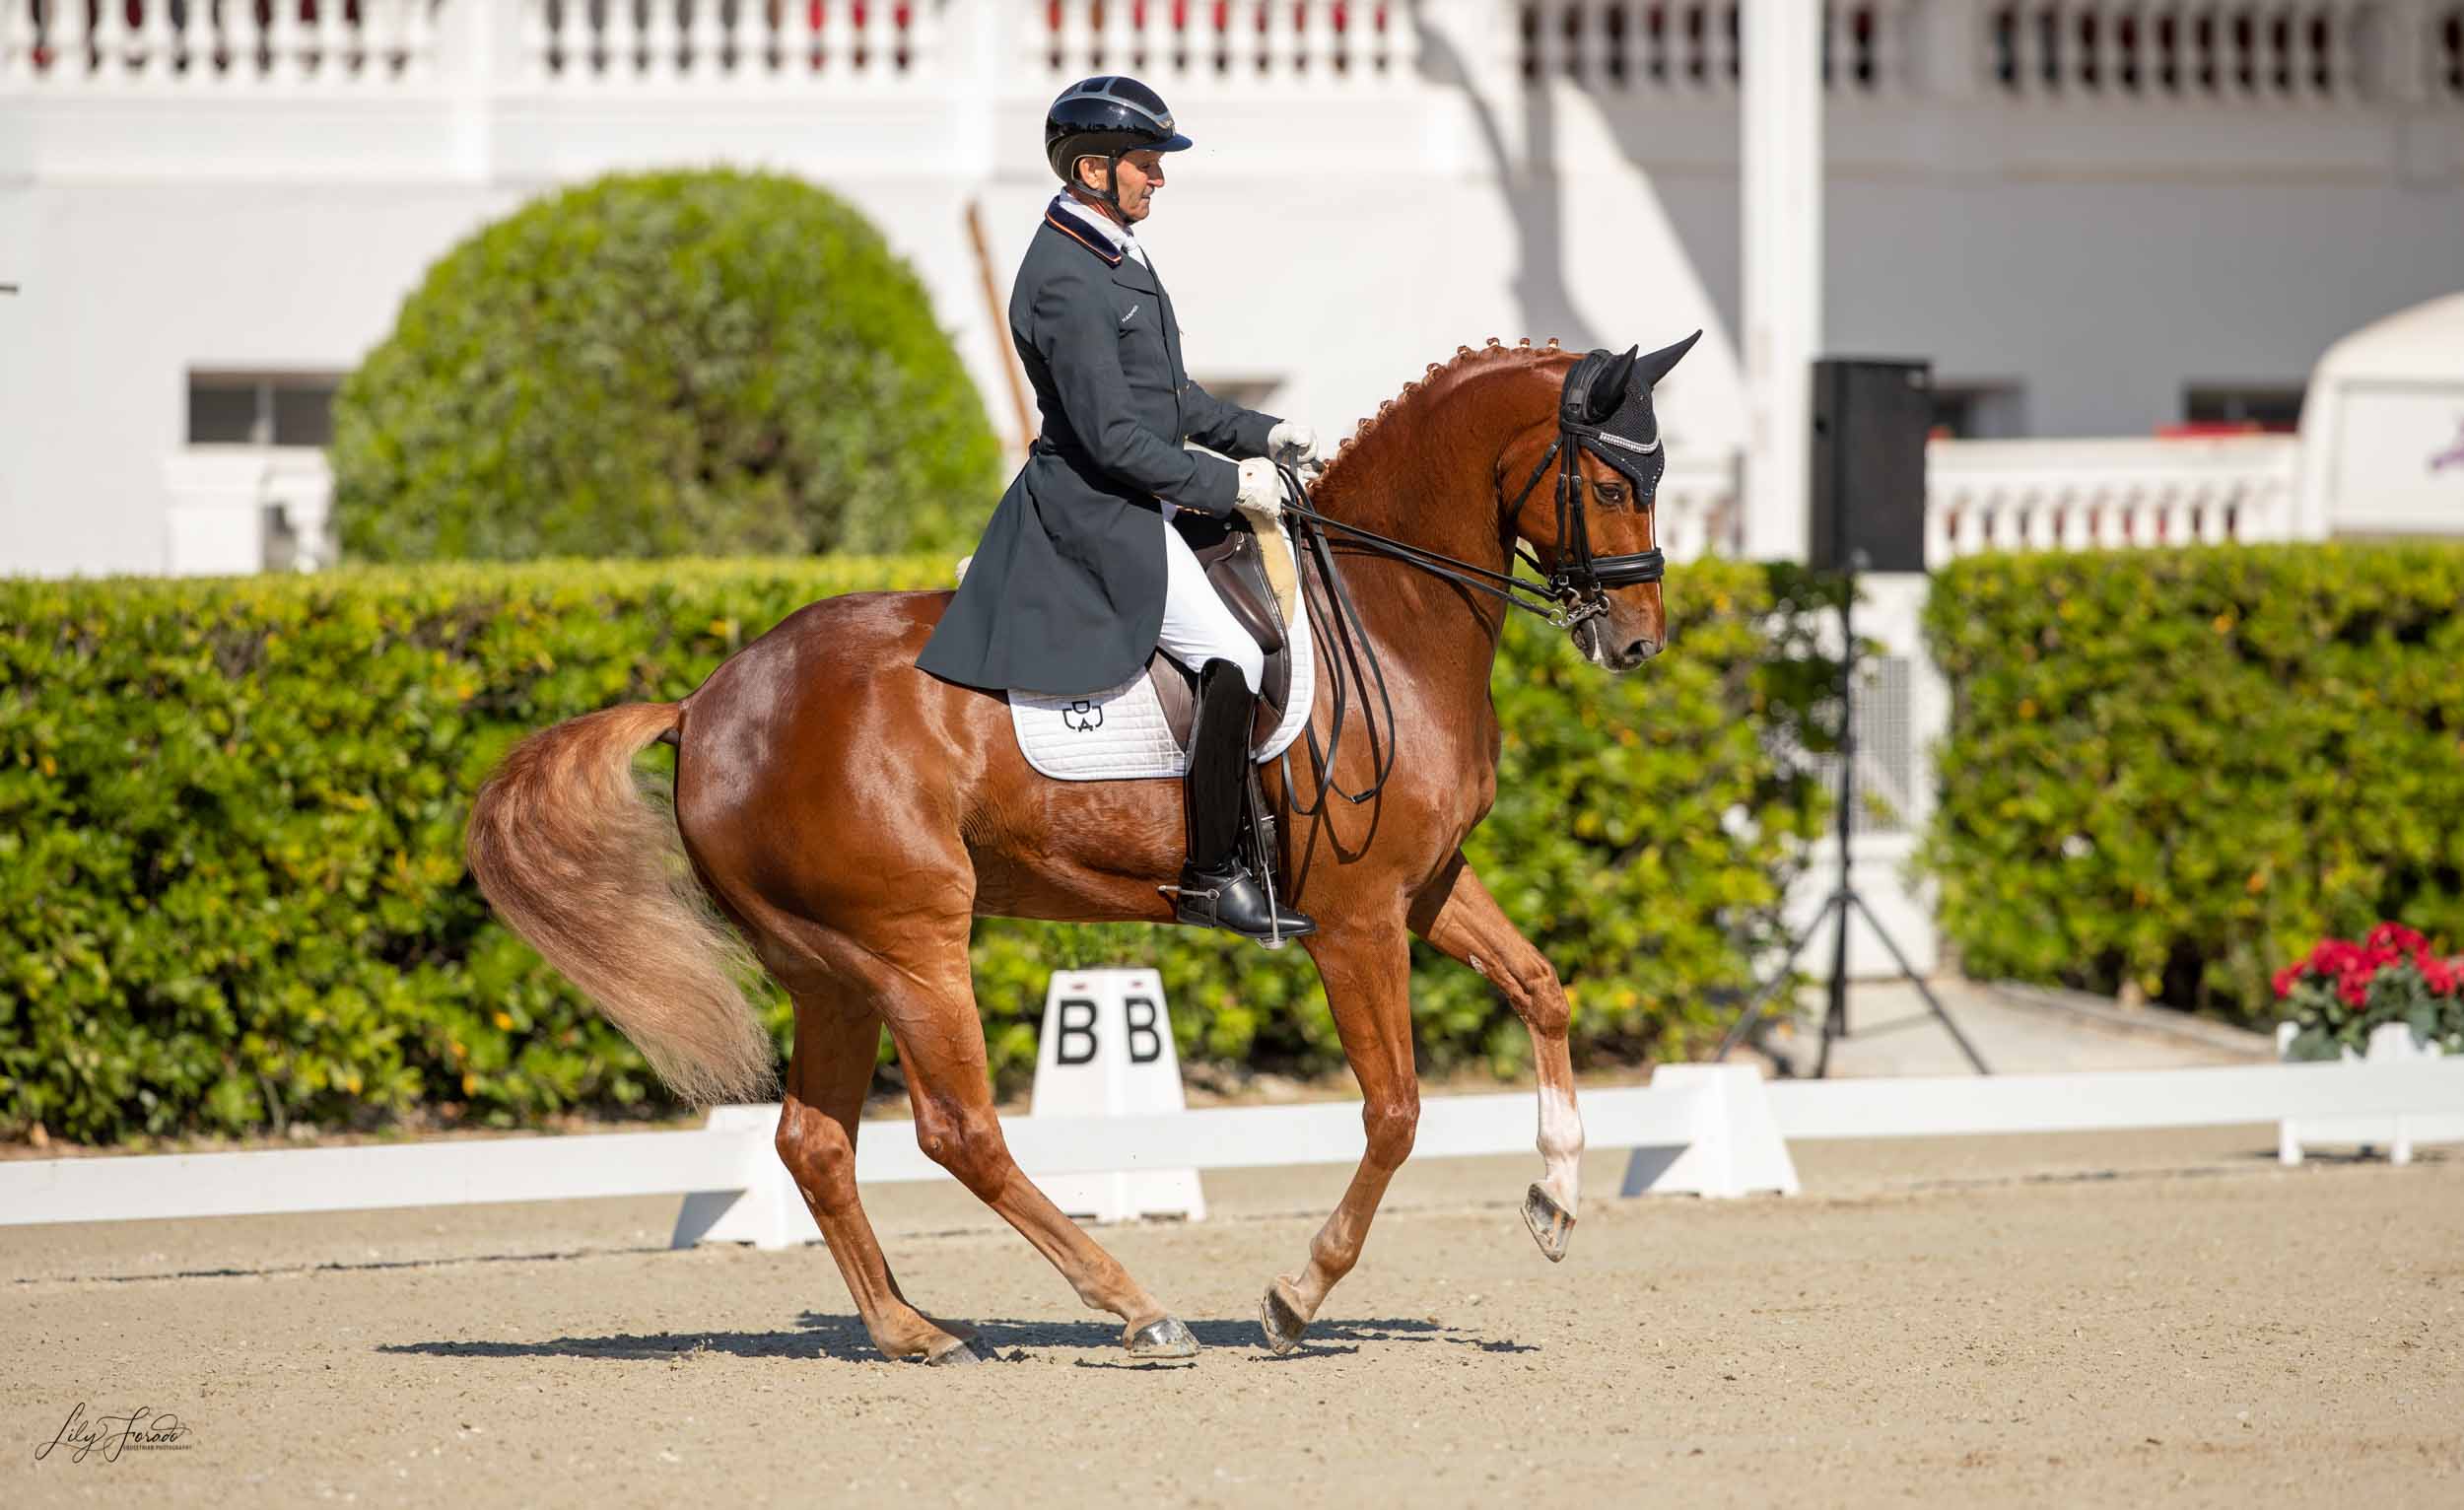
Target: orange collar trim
[{"x": 1112, "y": 259}]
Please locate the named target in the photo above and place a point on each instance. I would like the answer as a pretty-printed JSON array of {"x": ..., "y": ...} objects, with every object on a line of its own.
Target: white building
[{"x": 2097, "y": 218}]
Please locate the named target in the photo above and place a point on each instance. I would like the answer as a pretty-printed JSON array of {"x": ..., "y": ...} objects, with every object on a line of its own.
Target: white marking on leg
[{"x": 1560, "y": 1145}]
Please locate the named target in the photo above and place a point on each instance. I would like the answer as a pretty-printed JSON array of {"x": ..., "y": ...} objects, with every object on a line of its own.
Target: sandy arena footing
[{"x": 2096, "y": 1319}]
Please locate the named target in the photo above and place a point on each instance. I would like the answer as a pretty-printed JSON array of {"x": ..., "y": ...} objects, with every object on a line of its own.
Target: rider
[{"x": 1082, "y": 575}]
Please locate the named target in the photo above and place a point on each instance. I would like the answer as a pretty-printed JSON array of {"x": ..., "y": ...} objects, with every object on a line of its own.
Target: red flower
[
  {"x": 2398, "y": 938},
  {"x": 2437, "y": 974},
  {"x": 2353, "y": 987},
  {"x": 2286, "y": 980},
  {"x": 2333, "y": 956}
]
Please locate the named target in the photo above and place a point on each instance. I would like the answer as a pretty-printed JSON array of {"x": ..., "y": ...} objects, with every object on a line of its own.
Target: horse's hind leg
[
  {"x": 1460, "y": 918},
  {"x": 933, "y": 1019},
  {"x": 827, "y": 1074}
]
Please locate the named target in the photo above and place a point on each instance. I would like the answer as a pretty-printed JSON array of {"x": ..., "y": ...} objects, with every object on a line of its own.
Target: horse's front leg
[
  {"x": 1461, "y": 920},
  {"x": 1367, "y": 971}
]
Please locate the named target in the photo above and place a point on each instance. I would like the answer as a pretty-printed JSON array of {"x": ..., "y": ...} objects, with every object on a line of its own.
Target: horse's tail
[{"x": 588, "y": 869}]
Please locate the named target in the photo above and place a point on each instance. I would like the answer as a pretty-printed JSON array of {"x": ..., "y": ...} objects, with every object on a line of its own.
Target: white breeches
[{"x": 1197, "y": 627}]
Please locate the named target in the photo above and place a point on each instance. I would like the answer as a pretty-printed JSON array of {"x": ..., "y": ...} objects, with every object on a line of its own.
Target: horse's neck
[{"x": 1439, "y": 633}]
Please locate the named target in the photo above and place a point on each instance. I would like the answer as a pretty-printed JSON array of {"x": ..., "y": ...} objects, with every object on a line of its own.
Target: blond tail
[{"x": 580, "y": 862}]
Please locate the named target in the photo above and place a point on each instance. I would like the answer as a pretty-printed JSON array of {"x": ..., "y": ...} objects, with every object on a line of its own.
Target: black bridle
[
  {"x": 1613, "y": 422},
  {"x": 1599, "y": 411}
]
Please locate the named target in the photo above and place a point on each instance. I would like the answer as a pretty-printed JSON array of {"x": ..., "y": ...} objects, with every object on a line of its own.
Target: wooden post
[{"x": 999, "y": 326}]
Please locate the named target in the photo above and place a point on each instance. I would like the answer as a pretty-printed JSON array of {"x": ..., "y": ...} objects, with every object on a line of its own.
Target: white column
[
  {"x": 418, "y": 29},
  {"x": 333, "y": 43},
  {"x": 663, "y": 40},
  {"x": 879, "y": 42},
  {"x": 1158, "y": 41},
  {"x": 479, "y": 46},
  {"x": 705, "y": 37},
  {"x": 109, "y": 39},
  {"x": 162, "y": 38},
  {"x": 984, "y": 45},
  {"x": 1113, "y": 39},
  {"x": 1781, "y": 115}
]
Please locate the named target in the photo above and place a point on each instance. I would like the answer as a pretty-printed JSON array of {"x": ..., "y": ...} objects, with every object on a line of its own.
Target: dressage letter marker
[{"x": 1107, "y": 1052}]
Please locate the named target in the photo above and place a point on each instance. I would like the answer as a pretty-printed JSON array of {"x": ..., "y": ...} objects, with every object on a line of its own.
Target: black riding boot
[{"x": 1217, "y": 889}]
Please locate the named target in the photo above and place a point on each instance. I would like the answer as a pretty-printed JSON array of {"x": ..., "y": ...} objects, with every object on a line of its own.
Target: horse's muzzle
[
  {"x": 1635, "y": 653},
  {"x": 1603, "y": 646}
]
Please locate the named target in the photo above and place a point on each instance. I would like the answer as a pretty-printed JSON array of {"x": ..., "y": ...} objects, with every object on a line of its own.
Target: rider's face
[{"x": 1141, "y": 172}]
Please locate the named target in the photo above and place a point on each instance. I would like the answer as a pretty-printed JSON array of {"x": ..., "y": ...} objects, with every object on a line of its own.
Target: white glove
[
  {"x": 1295, "y": 445},
  {"x": 1261, "y": 494}
]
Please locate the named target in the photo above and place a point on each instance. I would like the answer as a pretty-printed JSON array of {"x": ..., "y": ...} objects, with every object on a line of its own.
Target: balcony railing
[
  {"x": 834, "y": 43},
  {"x": 229, "y": 504},
  {"x": 2084, "y": 495},
  {"x": 2102, "y": 52},
  {"x": 216, "y": 43}
]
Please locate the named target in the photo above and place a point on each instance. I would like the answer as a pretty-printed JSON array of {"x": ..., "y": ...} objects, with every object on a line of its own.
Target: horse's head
[{"x": 1579, "y": 483}]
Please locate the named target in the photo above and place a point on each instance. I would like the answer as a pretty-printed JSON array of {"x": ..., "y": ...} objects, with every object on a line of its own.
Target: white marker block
[
  {"x": 1736, "y": 1149},
  {"x": 767, "y": 1210},
  {"x": 1107, "y": 1052}
]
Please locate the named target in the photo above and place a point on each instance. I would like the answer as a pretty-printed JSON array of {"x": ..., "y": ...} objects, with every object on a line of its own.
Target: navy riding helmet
[{"x": 1109, "y": 117}]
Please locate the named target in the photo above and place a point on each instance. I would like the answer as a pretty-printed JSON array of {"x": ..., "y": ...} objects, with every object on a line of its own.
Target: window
[
  {"x": 1975, "y": 411},
  {"x": 261, "y": 409},
  {"x": 2272, "y": 408}
]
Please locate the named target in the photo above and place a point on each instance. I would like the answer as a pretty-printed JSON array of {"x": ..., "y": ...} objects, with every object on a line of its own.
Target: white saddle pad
[{"x": 1121, "y": 734}]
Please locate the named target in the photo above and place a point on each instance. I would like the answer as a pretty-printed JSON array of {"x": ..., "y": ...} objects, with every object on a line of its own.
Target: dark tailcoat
[{"x": 1067, "y": 593}]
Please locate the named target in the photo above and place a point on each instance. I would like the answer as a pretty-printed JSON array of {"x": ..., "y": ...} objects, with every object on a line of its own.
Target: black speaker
[{"x": 1869, "y": 419}]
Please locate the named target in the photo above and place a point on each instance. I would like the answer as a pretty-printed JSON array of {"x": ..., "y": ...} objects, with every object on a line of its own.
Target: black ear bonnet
[
  {"x": 1606, "y": 410},
  {"x": 1606, "y": 413}
]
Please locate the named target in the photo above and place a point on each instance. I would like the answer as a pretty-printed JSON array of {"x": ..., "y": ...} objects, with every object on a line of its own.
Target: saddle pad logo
[
  {"x": 1084, "y": 716},
  {"x": 1132, "y": 314}
]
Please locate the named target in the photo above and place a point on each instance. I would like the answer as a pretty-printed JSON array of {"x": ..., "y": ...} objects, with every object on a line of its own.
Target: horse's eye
[{"x": 1612, "y": 492}]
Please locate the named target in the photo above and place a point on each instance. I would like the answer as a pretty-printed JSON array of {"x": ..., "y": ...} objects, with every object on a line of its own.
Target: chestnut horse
[{"x": 851, "y": 816}]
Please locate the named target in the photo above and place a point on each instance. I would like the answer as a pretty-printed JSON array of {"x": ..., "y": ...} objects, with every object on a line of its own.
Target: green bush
[
  {"x": 231, "y": 892},
  {"x": 2179, "y": 768},
  {"x": 658, "y": 364}
]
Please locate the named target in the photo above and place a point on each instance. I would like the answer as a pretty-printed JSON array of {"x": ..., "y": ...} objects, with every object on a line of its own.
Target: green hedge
[
  {"x": 658, "y": 364},
  {"x": 2180, "y": 768},
  {"x": 232, "y": 893}
]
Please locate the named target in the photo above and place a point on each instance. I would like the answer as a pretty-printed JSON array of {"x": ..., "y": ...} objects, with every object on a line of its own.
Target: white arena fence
[{"x": 1704, "y": 1129}]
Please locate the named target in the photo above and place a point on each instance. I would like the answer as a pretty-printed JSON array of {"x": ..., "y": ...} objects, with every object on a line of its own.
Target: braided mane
[{"x": 1466, "y": 362}]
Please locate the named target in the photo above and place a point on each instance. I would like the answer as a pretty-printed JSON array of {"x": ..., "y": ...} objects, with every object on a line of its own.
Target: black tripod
[{"x": 1843, "y": 896}]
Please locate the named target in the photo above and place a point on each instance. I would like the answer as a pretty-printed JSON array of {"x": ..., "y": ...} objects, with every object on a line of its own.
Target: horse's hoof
[
  {"x": 960, "y": 1352},
  {"x": 1166, "y": 1338},
  {"x": 1552, "y": 1225},
  {"x": 1280, "y": 1313}
]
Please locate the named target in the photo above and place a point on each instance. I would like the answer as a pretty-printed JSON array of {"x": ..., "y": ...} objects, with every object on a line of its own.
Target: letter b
[
  {"x": 1146, "y": 1045},
  {"x": 1076, "y": 1044}
]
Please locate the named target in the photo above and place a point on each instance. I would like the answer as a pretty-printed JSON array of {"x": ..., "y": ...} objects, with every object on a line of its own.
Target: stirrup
[{"x": 1231, "y": 898}]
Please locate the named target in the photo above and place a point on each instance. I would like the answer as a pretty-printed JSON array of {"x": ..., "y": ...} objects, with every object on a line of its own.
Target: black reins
[{"x": 1569, "y": 595}]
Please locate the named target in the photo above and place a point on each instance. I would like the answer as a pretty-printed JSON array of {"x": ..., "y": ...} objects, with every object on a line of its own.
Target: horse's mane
[{"x": 1466, "y": 362}]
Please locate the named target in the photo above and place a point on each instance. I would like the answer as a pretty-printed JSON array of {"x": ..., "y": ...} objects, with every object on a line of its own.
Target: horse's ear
[
  {"x": 1656, "y": 366},
  {"x": 1609, "y": 390}
]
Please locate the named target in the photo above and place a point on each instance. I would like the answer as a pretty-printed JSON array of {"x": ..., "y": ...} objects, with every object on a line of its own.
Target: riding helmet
[{"x": 1108, "y": 117}]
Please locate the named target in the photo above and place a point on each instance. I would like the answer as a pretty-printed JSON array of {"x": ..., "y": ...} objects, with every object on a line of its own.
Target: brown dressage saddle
[{"x": 1236, "y": 564}]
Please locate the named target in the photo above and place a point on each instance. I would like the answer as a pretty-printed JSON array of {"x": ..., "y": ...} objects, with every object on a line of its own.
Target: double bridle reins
[{"x": 1575, "y": 592}]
